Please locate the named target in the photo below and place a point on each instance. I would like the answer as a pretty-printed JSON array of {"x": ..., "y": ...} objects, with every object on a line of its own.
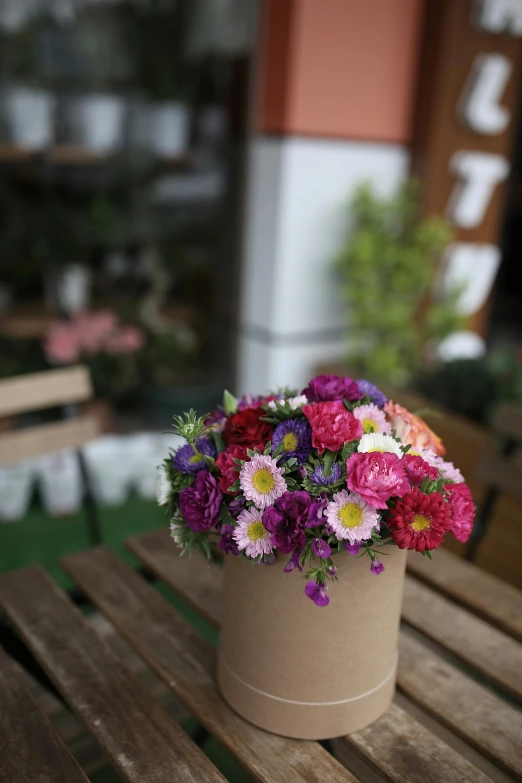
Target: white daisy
[
  {"x": 351, "y": 517},
  {"x": 378, "y": 441},
  {"x": 293, "y": 402},
  {"x": 163, "y": 487},
  {"x": 251, "y": 535}
]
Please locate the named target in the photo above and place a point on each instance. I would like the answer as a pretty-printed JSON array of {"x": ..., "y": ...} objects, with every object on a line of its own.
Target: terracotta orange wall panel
[{"x": 339, "y": 68}]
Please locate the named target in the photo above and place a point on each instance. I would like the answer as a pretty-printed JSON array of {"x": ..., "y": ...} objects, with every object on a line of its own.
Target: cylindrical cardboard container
[{"x": 304, "y": 671}]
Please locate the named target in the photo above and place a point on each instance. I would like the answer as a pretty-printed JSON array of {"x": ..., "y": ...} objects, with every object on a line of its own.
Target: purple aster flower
[
  {"x": 317, "y": 592},
  {"x": 376, "y": 567},
  {"x": 318, "y": 477},
  {"x": 200, "y": 503},
  {"x": 236, "y": 506},
  {"x": 228, "y": 544},
  {"x": 352, "y": 549},
  {"x": 296, "y": 437},
  {"x": 187, "y": 461},
  {"x": 332, "y": 571},
  {"x": 293, "y": 563},
  {"x": 287, "y": 521},
  {"x": 324, "y": 388},
  {"x": 368, "y": 389},
  {"x": 321, "y": 548}
]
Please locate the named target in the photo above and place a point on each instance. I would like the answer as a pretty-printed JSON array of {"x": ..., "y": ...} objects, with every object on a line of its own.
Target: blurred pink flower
[
  {"x": 94, "y": 329},
  {"x": 61, "y": 344},
  {"x": 126, "y": 340}
]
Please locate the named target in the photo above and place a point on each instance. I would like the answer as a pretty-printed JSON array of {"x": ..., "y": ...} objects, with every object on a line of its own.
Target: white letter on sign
[
  {"x": 478, "y": 173},
  {"x": 499, "y": 16},
  {"x": 479, "y": 103},
  {"x": 472, "y": 269}
]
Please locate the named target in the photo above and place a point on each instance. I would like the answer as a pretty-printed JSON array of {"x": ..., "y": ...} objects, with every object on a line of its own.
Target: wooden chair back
[
  {"x": 502, "y": 468},
  {"x": 38, "y": 391}
]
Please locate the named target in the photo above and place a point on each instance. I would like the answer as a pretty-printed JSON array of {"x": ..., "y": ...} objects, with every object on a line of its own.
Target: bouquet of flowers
[{"x": 300, "y": 476}]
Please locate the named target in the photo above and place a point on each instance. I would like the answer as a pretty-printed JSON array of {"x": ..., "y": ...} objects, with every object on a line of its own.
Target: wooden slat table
[{"x": 455, "y": 719}]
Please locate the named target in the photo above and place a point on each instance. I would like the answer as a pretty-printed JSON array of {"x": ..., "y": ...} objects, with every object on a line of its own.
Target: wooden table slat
[
  {"x": 483, "y": 594},
  {"x": 187, "y": 663},
  {"x": 495, "y": 655},
  {"x": 31, "y": 748},
  {"x": 400, "y": 749},
  {"x": 467, "y": 708},
  {"x": 152, "y": 549},
  {"x": 139, "y": 737}
]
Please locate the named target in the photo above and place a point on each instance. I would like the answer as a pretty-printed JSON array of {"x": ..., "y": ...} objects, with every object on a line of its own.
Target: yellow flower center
[
  {"x": 420, "y": 523},
  {"x": 413, "y": 453},
  {"x": 256, "y": 531},
  {"x": 290, "y": 442},
  {"x": 195, "y": 458},
  {"x": 376, "y": 448},
  {"x": 350, "y": 515},
  {"x": 263, "y": 481},
  {"x": 369, "y": 425}
]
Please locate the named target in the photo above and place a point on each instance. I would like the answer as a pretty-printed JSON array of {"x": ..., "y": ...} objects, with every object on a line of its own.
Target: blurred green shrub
[{"x": 387, "y": 268}]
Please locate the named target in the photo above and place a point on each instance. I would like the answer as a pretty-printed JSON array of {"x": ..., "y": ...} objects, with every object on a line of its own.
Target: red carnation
[
  {"x": 419, "y": 521},
  {"x": 246, "y": 429},
  {"x": 462, "y": 510},
  {"x": 228, "y": 468},
  {"x": 332, "y": 425}
]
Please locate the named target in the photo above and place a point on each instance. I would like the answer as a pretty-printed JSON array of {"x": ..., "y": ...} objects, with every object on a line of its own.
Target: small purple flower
[
  {"x": 326, "y": 388},
  {"x": 376, "y": 567},
  {"x": 332, "y": 571},
  {"x": 296, "y": 437},
  {"x": 200, "y": 503},
  {"x": 250, "y": 401},
  {"x": 368, "y": 389},
  {"x": 293, "y": 563},
  {"x": 236, "y": 506},
  {"x": 302, "y": 471},
  {"x": 316, "y": 511},
  {"x": 352, "y": 549},
  {"x": 270, "y": 560},
  {"x": 216, "y": 420},
  {"x": 318, "y": 477},
  {"x": 228, "y": 544},
  {"x": 187, "y": 461},
  {"x": 321, "y": 548},
  {"x": 317, "y": 592}
]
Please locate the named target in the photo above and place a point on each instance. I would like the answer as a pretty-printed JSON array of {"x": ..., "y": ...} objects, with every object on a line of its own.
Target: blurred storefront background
[{"x": 184, "y": 169}]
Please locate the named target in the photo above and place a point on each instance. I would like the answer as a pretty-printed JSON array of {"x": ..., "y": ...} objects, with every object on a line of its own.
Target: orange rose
[{"x": 412, "y": 429}]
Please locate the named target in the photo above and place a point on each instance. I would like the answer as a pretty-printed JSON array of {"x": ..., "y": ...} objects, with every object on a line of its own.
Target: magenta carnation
[
  {"x": 325, "y": 388},
  {"x": 377, "y": 477},
  {"x": 417, "y": 469},
  {"x": 200, "y": 503},
  {"x": 462, "y": 510},
  {"x": 288, "y": 519},
  {"x": 332, "y": 425}
]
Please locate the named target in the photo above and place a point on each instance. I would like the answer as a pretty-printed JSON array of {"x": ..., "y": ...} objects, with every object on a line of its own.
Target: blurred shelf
[{"x": 74, "y": 155}]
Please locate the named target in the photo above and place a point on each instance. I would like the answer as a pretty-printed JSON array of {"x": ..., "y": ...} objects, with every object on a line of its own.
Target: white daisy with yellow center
[
  {"x": 261, "y": 480},
  {"x": 351, "y": 517},
  {"x": 251, "y": 535},
  {"x": 377, "y": 441}
]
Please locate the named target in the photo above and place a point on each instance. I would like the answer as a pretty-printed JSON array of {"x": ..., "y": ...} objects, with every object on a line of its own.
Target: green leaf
[
  {"x": 218, "y": 440},
  {"x": 329, "y": 459},
  {"x": 229, "y": 403},
  {"x": 224, "y": 515}
]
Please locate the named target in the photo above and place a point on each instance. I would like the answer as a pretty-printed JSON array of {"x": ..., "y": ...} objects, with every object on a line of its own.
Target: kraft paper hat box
[{"x": 314, "y": 498}]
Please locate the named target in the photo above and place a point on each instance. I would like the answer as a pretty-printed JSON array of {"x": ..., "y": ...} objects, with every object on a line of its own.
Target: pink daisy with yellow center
[
  {"x": 372, "y": 418},
  {"x": 251, "y": 535},
  {"x": 351, "y": 517},
  {"x": 261, "y": 480}
]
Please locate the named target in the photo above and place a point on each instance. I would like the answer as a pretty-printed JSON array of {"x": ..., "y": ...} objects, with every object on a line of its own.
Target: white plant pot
[
  {"x": 95, "y": 121},
  {"x": 73, "y": 288},
  {"x": 29, "y": 116},
  {"x": 60, "y": 483},
  {"x": 15, "y": 491},
  {"x": 168, "y": 128},
  {"x": 110, "y": 469}
]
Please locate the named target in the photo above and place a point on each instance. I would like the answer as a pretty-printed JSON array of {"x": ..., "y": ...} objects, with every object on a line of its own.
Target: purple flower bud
[
  {"x": 236, "y": 506},
  {"x": 293, "y": 563},
  {"x": 352, "y": 549},
  {"x": 320, "y": 548},
  {"x": 228, "y": 544},
  {"x": 303, "y": 473},
  {"x": 332, "y": 571},
  {"x": 317, "y": 592},
  {"x": 376, "y": 567}
]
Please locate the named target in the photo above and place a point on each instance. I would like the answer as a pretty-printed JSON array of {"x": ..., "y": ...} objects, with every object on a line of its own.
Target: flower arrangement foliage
[
  {"x": 305, "y": 476},
  {"x": 113, "y": 351},
  {"x": 391, "y": 255}
]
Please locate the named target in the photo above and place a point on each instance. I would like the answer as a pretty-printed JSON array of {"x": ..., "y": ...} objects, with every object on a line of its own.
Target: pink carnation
[
  {"x": 377, "y": 477},
  {"x": 228, "y": 468},
  {"x": 462, "y": 510},
  {"x": 417, "y": 469},
  {"x": 332, "y": 425}
]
